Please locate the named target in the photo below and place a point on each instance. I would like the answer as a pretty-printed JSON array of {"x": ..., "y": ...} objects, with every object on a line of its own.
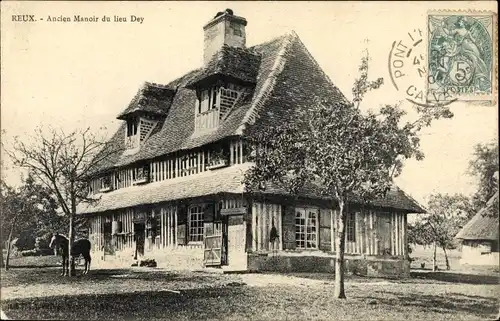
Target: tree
[
  {"x": 63, "y": 163},
  {"x": 347, "y": 155},
  {"x": 446, "y": 216},
  {"x": 483, "y": 167},
  {"x": 23, "y": 209}
]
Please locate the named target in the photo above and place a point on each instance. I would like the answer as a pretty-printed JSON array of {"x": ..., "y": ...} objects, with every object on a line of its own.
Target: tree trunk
[
  {"x": 9, "y": 246},
  {"x": 339, "y": 250},
  {"x": 9, "y": 241},
  {"x": 446, "y": 258},
  {"x": 71, "y": 238},
  {"x": 434, "y": 263},
  {"x": 71, "y": 235},
  {"x": 2, "y": 263}
]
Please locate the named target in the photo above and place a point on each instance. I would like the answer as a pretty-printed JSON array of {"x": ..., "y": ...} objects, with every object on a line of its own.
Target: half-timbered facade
[{"x": 175, "y": 192}]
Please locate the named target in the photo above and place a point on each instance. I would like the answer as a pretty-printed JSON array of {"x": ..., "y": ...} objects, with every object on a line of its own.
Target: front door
[
  {"x": 236, "y": 241},
  {"x": 140, "y": 236},
  {"x": 213, "y": 244},
  {"x": 384, "y": 232}
]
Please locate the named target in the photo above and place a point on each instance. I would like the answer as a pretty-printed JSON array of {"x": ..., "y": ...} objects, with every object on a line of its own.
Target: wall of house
[
  {"x": 167, "y": 242},
  {"x": 173, "y": 166},
  {"x": 477, "y": 252},
  {"x": 375, "y": 246}
]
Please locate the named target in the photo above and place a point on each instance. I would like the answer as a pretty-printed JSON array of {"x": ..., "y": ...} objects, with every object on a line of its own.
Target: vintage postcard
[{"x": 249, "y": 160}]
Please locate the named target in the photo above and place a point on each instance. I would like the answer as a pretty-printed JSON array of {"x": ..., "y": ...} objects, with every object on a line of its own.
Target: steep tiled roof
[
  {"x": 227, "y": 180},
  {"x": 177, "y": 130},
  {"x": 152, "y": 99},
  {"x": 395, "y": 198},
  {"x": 286, "y": 79},
  {"x": 484, "y": 225},
  {"x": 295, "y": 80},
  {"x": 241, "y": 64}
]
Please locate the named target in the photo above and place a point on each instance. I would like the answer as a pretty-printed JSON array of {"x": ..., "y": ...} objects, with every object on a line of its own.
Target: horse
[{"x": 80, "y": 247}]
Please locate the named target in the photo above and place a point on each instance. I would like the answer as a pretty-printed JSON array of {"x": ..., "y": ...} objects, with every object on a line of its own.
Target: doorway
[
  {"x": 384, "y": 232},
  {"x": 108, "y": 239},
  {"x": 236, "y": 257},
  {"x": 140, "y": 238}
]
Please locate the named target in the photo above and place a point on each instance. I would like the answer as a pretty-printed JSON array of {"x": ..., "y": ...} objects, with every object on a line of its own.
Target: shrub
[{"x": 26, "y": 241}]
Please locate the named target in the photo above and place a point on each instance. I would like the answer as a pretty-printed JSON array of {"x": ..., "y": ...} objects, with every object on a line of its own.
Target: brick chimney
[{"x": 224, "y": 28}]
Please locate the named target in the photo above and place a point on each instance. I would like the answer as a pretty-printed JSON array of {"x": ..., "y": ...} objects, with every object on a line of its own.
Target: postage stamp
[{"x": 462, "y": 56}]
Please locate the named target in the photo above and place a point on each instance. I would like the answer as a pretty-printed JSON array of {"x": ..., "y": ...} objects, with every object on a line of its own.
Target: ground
[{"x": 148, "y": 293}]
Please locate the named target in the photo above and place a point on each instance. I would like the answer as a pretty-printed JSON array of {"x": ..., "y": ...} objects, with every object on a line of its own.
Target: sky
[{"x": 74, "y": 75}]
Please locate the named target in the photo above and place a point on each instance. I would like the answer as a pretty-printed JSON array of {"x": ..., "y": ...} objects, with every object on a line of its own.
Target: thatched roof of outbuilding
[{"x": 484, "y": 225}]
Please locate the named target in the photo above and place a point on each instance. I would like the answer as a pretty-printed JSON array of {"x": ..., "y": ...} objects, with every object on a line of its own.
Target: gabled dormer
[
  {"x": 149, "y": 107},
  {"x": 229, "y": 72}
]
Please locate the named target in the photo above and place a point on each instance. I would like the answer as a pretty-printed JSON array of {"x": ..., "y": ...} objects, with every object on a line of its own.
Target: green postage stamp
[{"x": 462, "y": 56}]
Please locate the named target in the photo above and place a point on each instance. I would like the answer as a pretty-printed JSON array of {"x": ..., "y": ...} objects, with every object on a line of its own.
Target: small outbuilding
[{"x": 480, "y": 236}]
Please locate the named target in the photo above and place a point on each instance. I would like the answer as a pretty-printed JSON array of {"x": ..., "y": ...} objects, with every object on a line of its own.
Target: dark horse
[{"x": 79, "y": 247}]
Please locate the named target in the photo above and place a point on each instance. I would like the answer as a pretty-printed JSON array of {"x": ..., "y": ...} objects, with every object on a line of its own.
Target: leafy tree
[
  {"x": 446, "y": 216},
  {"x": 63, "y": 163},
  {"x": 345, "y": 154},
  {"x": 483, "y": 166},
  {"x": 24, "y": 209}
]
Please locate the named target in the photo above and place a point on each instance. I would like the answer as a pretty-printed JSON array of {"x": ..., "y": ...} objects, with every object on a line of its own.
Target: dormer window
[
  {"x": 214, "y": 104},
  {"x": 138, "y": 130},
  {"x": 208, "y": 100},
  {"x": 150, "y": 105},
  {"x": 131, "y": 127}
]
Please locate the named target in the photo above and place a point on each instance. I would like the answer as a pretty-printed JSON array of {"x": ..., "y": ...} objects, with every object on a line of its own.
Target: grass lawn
[
  {"x": 34, "y": 261},
  {"x": 153, "y": 294},
  {"x": 33, "y": 289}
]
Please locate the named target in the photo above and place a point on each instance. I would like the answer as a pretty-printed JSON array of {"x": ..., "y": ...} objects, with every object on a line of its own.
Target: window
[
  {"x": 195, "y": 222},
  {"x": 131, "y": 127},
  {"x": 105, "y": 183},
  {"x": 155, "y": 225},
  {"x": 306, "y": 220},
  {"x": 140, "y": 174},
  {"x": 351, "y": 227},
  {"x": 208, "y": 100},
  {"x": 213, "y": 102}
]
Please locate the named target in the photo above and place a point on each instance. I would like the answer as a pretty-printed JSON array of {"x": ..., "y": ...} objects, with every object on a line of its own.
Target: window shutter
[
  {"x": 325, "y": 227},
  {"x": 182, "y": 225},
  {"x": 288, "y": 227}
]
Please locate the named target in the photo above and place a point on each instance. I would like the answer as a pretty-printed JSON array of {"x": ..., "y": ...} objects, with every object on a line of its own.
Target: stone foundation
[
  {"x": 368, "y": 266},
  {"x": 191, "y": 258},
  {"x": 175, "y": 258}
]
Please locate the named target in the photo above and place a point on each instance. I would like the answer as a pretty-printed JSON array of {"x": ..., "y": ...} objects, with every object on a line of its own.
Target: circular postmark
[{"x": 408, "y": 68}]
